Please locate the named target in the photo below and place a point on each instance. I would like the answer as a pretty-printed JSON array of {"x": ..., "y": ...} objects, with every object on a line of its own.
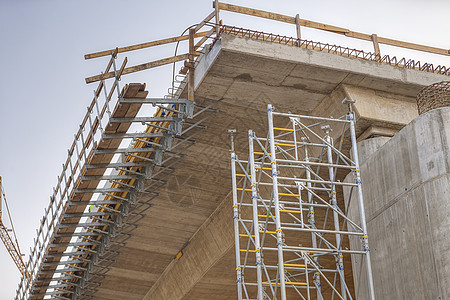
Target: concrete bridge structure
[{"x": 180, "y": 244}]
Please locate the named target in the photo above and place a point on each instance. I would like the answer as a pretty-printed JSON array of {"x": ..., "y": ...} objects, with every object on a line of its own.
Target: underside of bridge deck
[{"x": 193, "y": 211}]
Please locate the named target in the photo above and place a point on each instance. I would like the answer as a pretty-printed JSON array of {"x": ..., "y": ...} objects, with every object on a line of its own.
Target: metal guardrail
[
  {"x": 93, "y": 123},
  {"x": 95, "y": 203}
]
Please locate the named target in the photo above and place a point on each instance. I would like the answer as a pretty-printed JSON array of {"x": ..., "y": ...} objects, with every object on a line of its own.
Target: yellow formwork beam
[
  {"x": 284, "y": 144},
  {"x": 283, "y": 129},
  {"x": 289, "y": 195}
]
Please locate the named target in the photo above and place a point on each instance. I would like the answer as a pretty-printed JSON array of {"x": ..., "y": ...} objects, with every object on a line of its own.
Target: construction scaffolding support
[
  {"x": 289, "y": 221},
  {"x": 108, "y": 181}
]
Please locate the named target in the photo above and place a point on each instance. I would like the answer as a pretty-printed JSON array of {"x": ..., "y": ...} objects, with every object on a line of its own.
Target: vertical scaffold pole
[
  {"x": 236, "y": 217},
  {"x": 251, "y": 160},
  {"x": 340, "y": 259},
  {"x": 276, "y": 203},
  {"x": 365, "y": 241},
  {"x": 312, "y": 220}
]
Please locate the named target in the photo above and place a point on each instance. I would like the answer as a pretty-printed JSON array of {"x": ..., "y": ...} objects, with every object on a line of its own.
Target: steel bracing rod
[
  {"x": 365, "y": 241},
  {"x": 326, "y": 204},
  {"x": 341, "y": 142},
  {"x": 345, "y": 159},
  {"x": 132, "y": 172},
  {"x": 300, "y": 129},
  {"x": 157, "y": 126},
  {"x": 196, "y": 124},
  {"x": 285, "y": 152},
  {"x": 143, "y": 158},
  {"x": 276, "y": 204},
  {"x": 315, "y": 232},
  {"x": 208, "y": 107},
  {"x": 255, "y": 214},
  {"x": 236, "y": 216},
  {"x": 303, "y": 166},
  {"x": 169, "y": 109},
  {"x": 318, "y": 270},
  {"x": 340, "y": 259},
  {"x": 336, "y": 209},
  {"x": 149, "y": 143}
]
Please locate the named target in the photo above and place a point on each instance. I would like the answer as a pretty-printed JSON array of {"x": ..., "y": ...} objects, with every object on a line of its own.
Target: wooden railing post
[
  {"x": 376, "y": 45},
  {"x": 216, "y": 7},
  {"x": 297, "y": 26}
]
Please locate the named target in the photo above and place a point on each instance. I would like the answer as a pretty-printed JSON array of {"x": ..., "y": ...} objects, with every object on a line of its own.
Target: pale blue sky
[{"x": 43, "y": 96}]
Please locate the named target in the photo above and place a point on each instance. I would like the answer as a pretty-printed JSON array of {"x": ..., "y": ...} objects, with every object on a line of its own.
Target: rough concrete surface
[{"x": 406, "y": 186}]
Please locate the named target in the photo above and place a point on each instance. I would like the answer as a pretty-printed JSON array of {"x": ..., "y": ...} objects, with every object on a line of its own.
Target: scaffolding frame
[
  {"x": 95, "y": 206},
  {"x": 289, "y": 228}
]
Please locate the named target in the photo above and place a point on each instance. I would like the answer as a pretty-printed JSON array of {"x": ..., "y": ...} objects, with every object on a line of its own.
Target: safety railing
[
  {"x": 217, "y": 28},
  {"x": 298, "y": 22},
  {"x": 88, "y": 135},
  {"x": 85, "y": 217},
  {"x": 335, "y": 49}
]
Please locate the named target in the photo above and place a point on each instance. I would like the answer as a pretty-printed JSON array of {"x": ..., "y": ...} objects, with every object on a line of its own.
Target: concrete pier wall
[{"x": 406, "y": 184}]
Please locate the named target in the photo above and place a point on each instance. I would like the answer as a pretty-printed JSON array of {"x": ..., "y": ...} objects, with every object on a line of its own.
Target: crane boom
[{"x": 11, "y": 246}]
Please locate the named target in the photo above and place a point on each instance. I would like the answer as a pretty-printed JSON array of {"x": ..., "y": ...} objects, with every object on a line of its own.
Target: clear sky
[{"x": 43, "y": 96}]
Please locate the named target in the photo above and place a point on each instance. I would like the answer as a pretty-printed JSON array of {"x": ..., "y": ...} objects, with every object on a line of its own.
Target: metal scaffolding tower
[{"x": 290, "y": 225}]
